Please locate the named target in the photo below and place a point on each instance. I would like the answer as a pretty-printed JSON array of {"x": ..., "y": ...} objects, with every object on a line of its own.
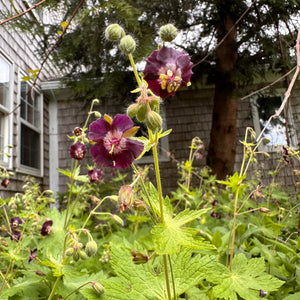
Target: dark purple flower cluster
[
  {"x": 95, "y": 175},
  {"x": 112, "y": 144},
  {"x": 167, "y": 70},
  {"x": 46, "y": 228},
  {"x": 78, "y": 151}
]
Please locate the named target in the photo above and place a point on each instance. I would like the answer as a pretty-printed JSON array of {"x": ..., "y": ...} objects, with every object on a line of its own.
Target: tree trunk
[{"x": 222, "y": 146}]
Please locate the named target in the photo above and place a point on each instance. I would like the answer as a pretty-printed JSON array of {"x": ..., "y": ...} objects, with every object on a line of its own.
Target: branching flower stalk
[{"x": 157, "y": 173}]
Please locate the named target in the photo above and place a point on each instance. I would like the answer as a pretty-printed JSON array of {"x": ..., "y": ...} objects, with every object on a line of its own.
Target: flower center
[
  {"x": 114, "y": 142},
  {"x": 169, "y": 81}
]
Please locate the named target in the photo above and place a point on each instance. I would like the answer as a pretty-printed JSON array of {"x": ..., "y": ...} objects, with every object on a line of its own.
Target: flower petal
[
  {"x": 98, "y": 129},
  {"x": 101, "y": 156},
  {"x": 122, "y": 122}
]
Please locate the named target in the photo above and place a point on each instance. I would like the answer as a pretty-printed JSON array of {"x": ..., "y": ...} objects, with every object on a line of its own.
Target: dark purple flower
[
  {"x": 15, "y": 222},
  {"x": 5, "y": 182},
  {"x": 113, "y": 147},
  {"x": 15, "y": 235},
  {"x": 215, "y": 203},
  {"x": 32, "y": 255},
  {"x": 215, "y": 215},
  {"x": 46, "y": 228},
  {"x": 78, "y": 151},
  {"x": 167, "y": 70},
  {"x": 262, "y": 293},
  {"x": 95, "y": 175}
]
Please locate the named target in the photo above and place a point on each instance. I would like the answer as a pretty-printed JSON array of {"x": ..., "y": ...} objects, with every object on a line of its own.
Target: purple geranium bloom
[
  {"x": 32, "y": 255},
  {"x": 5, "y": 182},
  {"x": 95, "y": 175},
  {"x": 46, "y": 228},
  {"x": 112, "y": 144},
  {"x": 167, "y": 70},
  {"x": 15, "y": 235},
  {"x": 78, "y": 151},
  {"x": 15, "y": 222}
]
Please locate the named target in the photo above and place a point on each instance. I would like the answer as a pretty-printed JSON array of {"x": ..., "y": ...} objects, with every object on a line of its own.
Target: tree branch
[
  {"x": 288, "y": 92},
  {"x": 226, "y": 35},
  {"x": 23, "y": 12}
]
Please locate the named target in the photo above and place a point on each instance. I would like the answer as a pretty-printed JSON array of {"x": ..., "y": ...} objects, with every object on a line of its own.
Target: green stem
[
  {"x": 70, "y": 196},
  {"x": 77, "y": 289},
  {"x": 172, "y": 275},
  {"x": 54, "y": 287},
  {"x": 137, "y": 77},
  {"x": 233, "y": 227},
  {"x": 146, "y": 193},
  {"x": 167, "y": 276},
  {"x": 93, "y": 212},
  {"x": 158, "y": 182}
]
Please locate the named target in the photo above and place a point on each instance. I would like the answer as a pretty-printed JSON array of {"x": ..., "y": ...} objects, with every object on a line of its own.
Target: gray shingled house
[{"x": 38, "y": 128}]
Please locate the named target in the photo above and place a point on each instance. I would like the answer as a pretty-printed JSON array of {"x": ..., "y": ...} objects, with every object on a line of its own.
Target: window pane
[
  {"x": 268, "y": 106},
  {"x": 30, "y": 147},
  {"x": 4, "y": 82}
]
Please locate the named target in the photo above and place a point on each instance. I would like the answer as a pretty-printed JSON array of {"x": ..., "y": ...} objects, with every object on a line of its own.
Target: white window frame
[
  {"x": 39, "y": 172},
  {"x": 272, "y": 147},
  {"x": 5, "y": 160}
]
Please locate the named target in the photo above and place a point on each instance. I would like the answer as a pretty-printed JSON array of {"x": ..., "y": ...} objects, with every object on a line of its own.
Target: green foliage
[{"x": 245, "y": 279}]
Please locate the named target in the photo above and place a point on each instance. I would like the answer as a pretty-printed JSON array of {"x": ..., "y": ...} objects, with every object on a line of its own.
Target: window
[
  {"x": 262, "y": 109},
  {"x": 5, "y": 102},
  {"x": 30, "y": 127}
]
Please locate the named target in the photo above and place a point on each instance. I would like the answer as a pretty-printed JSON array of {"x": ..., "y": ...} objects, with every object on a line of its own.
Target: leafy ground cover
[{"x": 124, "y": 239}]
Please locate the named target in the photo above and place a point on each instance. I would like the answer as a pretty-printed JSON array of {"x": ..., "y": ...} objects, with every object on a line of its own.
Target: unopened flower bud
[
  {"x": 132, "y": 110},
  {"x": 96, "y": 101},
  {"x": 82, "y": 255},
  {"x": 142, "y": 112},
  {"x": 125, "y": 198},
  {"x": 153, "y": 120},
  {"x": 266, "y": 141},
  {"x": 168, "y": 32},
  {"x": 154, "y": 101},
  {"x": 139, "y": 205},
  {"x": 76, "y": 255},
  {"x": 91, "y": 248},
  {"x": 264, "y": 209},
  {"x": 113, "y": 32},
  {"x": 139, "y": 258},
  {"x": 69, "y": 252},
  {"x": 117, "y": 219},
  {"x": 266, "y": 155},
  {"x": 127, "y": 44},
  {"x": 5, "y": 182},
  {"x": 98, "y": 288},
  {"x": 97, "y": 114}
]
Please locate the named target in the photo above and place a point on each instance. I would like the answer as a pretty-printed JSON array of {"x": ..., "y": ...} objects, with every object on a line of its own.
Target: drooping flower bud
[
  {"x": 91, "y": 248},
  {"x": 132, "y": 110},
  {"x": 69, "y": 251},
  {"x": 153, "y": 120},
  {"x": 264, "y": 209},
  {"x": 113, "y": 32},
  {"x": 125, "y": 198},
  {"x": 139, "y": 205},
  {"x": 82, "y": 255},
  {"x": 142, "y": 112},
  {"x": 127, "y": 44},
  {"x": 98, "y": 288},
  {"x": 117, "y": 219},
  {"x": 168, "y": 32},
  {"x": 139, "y": 258}
]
